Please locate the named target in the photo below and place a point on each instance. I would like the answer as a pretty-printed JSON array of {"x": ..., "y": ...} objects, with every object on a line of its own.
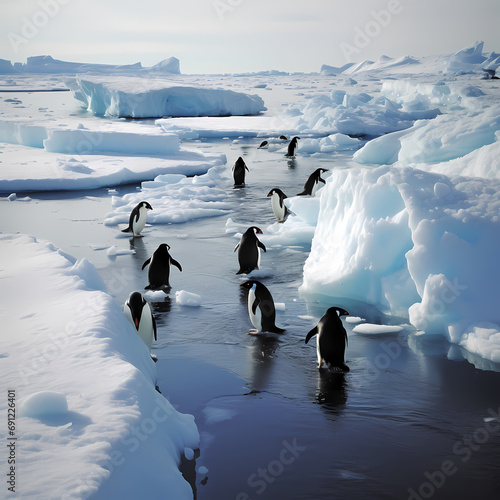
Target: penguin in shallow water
[
  {"x": 137, "y": 219},
  {"x": 248, "y": 250},
  {"x": 292, "y": 147},
  {"x": 312, "y": 183},
  {"x": 239, "y": 168},
  {"x": 261, "y": 308},
  {"x": 278, "y": 203},
  {"x": 138, "y": 312},
  {"x": 159, "y": 268},
  {"x": 332, "y": 339},
  {"x": 264, "y": 144}
]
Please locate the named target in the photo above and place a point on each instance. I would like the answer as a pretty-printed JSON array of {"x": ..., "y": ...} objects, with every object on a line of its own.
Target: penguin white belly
[
  {"x": 318, "y": 353},
  {"x": 256, "y": 318},
  {"x": 138, "y": 226},
  {"x": 278, "y": 211},
  {"x": 146, "y": 330},
  {"x": 315, "y": 188},
  {"x": 258, "y": 258}
]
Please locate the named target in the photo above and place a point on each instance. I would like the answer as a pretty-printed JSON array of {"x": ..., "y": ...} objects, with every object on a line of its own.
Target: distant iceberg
[{"x": 135, "y": 97}]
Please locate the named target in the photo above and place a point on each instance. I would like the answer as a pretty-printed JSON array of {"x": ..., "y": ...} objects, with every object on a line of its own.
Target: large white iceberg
[
  {"x": 102, "y": 421},
  {"x": 414, "y": 243},
  {"x": 151, "y": 97}
]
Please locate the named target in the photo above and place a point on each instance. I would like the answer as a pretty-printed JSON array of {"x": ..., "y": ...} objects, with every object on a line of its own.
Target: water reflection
[
  {"x": 331, "y": 390},
  {"x": 141, "y": 253},
  {"x": 263, "y": 354},
  {"x": 291, "y": 163}
]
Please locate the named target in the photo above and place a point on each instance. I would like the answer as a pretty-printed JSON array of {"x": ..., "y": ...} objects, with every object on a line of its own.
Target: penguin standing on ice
[
  {"x": 332, "y": 339},
  {"x": 138, "y": 312},
  {"x": 278, "y": 203},
  {"x": 137, "y": 219},
  {"x": 248, "y": 250},
  {"x": 292, "y": 147},
  {"x": 261, "y": 308},
  {"x": 159, "y": 268},
  {"x": 239, "y": 168},
  {"x": 312, "y": 183}
]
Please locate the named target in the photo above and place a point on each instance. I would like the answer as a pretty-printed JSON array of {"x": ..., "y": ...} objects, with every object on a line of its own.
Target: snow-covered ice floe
[
  {"x": 137, "y": 97},
  {"x": 62, "y": 331},
  {"x": 176, "y": 198},
  {"x": 39, "y": 155}
]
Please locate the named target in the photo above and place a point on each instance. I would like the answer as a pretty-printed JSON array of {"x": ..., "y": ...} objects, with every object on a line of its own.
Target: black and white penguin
[
  {"x": 278, "y": 203},
  {"x": 292, "y": 147},
  {"x": 239, "y": 168},
  {"x": 312, "y": 183},
  {"x": 261, "y": 308},
  {"x": 263, "y": 144},
  {"x": 138, "y": 312},
  {"x": 332, "y": 339},
  {"x": 137, "y": 219},
  {"x": 159, "y": 268},
  {"x": 248, "y": 250}
]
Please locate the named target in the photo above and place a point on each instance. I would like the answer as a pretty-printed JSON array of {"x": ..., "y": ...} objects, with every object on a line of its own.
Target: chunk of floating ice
[
  {"x": 260, "y": 273},
  {"x": 12, "y": 197},
  {"x": 188, "y": 453},
  {"x": 280, "y": 306},
  {"x": 155, "y": 295},
  {"x": 354, "y": 319},
  {"x": 371, "y": 329},
  {"x": 187, "y": 299},
  {"x": 114, "y": 250},
  {"x": 202, "y": 470}
]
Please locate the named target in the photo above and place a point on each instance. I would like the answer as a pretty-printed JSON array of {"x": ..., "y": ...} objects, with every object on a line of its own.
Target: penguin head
[
  {"x": 249, "y": 284},
  {"x": 321, "y": 170},
  {"x": 295, "y": 139},
  {"x": 135, "y": 303},
  {"x": 338, "y": 311},
  {"x": 254, "y": 230},
  {"x": 164, "y": 247},
  {"x": 146, "y": 205},
  {"x": 277, "y": 191}
]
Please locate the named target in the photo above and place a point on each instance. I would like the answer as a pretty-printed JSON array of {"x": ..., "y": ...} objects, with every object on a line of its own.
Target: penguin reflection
[
  {"x": 263, "y": 353},
  {"x": 331, "y": 391}
]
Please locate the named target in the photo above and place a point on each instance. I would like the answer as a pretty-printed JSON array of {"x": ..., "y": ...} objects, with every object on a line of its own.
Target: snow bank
[
  {"x": 136, "y": 97},
  {"x": 81, "y": 438},
  {"x": 176, "y": 199},
  {"x": 414, "y": 243}
]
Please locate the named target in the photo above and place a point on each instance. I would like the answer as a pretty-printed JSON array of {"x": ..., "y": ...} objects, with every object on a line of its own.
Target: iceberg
[{"x": 153, "y": 97}]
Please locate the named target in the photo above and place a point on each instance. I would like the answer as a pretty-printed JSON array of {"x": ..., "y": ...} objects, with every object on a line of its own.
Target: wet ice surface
[{"x": 272, "y": 426}]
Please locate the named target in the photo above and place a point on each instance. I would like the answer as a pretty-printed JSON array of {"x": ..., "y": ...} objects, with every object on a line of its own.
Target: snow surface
[
  {"x": 155, "y": 98},
  {"x": 189, "y": 299},
  {"x": 68, "y": 334}
]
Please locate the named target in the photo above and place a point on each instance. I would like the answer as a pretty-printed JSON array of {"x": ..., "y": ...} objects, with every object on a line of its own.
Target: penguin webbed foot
[{"x": 253, "y": 331}]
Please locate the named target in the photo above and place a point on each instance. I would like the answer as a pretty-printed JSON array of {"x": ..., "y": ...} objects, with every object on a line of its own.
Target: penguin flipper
[
  {"x": 302, "y": 194},
  {"x": 277, "y": 329},
  {"x": 311, "y": 334},
  {"x": 322, "y": 180},
  {"x": 145, "y": 264},
  {"x": 175, "y": 263},
  {"x": 236, "y": 247},
  {"x": 261, "y": 245}
]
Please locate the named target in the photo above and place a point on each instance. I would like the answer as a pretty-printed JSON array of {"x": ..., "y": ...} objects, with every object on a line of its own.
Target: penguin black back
[
  {"x": 332, "y": 339},
  {"x": 248, "y": 250},
  {"x": 292, "y": 147},
  {"x": 159, "y": 268},
  {"x": 239, "y": 168}
]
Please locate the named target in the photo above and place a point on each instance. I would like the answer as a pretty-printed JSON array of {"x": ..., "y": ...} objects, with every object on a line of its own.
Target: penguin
[
  {"x": 490, "y": 74},
  {"x": 159, "y": 268},
  {"x": 332, "y": 339},
  {"x": 283, "y": 138},
  {"x": 137, "y": 219},
  {"x": 312, "y": 183},
  {"x": 277, "y": 202},
  {"x": 248, "y": 250},
  {"x": 239, "y": 172},
  {"x": 263, "y": 144},
  {"x": 292, "y": 147},
  {"x": 138, "y": 312},
  {"x": 261, "y": 308}
]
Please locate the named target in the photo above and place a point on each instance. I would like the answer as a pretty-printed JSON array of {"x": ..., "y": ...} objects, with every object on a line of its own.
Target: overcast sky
[{"x": 227, "y": 36}]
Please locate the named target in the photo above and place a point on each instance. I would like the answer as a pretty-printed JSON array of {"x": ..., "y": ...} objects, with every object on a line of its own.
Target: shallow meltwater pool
[{"x": 411, "y": 419}]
